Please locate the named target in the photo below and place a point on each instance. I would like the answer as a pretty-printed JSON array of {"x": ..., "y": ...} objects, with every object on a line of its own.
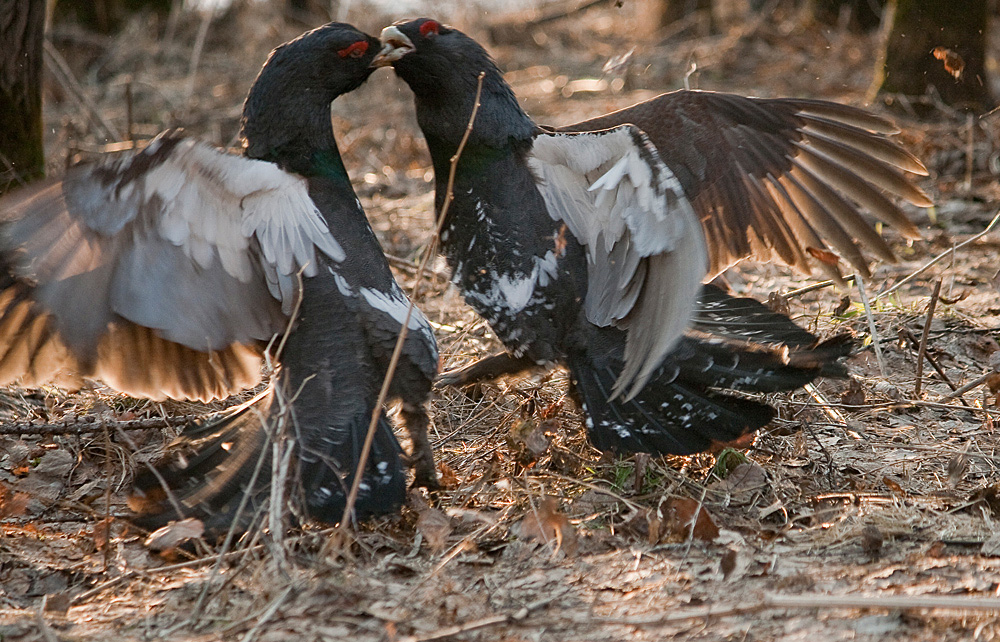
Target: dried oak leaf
[
  {"x": 547, "y": 524},
  {"x": 686, "y": 517},
  {"x": 174, "y": 534},
  {"x": 728, "y": 563}
]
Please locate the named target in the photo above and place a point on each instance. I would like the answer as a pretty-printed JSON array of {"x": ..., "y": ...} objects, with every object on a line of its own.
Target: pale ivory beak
[{"x": 395, "y": 45}]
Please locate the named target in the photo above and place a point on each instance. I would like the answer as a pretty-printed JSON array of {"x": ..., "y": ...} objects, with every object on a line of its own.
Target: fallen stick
[
  {"x": 923, "y": 338},
  {"x": 815, "y": 601},
  {"x": 78, "y": 427}
]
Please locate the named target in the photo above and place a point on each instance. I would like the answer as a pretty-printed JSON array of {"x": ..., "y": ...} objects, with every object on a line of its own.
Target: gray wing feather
[{"x": 162, "y": 272}]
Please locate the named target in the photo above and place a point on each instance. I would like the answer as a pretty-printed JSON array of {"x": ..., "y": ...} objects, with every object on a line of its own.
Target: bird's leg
[
  {"x": 421, "y": 457},
  {"x": 489, "y": 367}
]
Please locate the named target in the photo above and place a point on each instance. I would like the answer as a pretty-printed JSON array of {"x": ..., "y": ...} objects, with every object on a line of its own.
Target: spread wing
[
  {"x": 780, "y": 178},
  {"x": 163, "y": 273},
  {"x": 646, "y": 252}
]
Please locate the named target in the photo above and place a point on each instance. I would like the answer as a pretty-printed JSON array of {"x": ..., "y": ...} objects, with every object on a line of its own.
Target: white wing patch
[
  {"x": 215, "y": 200},
  {"x": 645, "y": 247}
]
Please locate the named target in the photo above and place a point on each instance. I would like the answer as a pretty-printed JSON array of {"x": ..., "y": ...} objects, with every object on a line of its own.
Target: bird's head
[
  {"x": 300, "y": 79},
  {"x": 442, "y": 66}
]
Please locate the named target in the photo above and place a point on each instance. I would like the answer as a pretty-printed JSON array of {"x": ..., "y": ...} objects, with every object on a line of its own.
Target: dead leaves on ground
[
  {"x": 548, "y": 526},
  {"x": 680, "y": 519},
  {"x": 169, "y": 537}
]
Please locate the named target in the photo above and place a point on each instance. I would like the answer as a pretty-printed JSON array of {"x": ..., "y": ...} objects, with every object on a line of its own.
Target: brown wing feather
[{"x": 774, "y": 178}]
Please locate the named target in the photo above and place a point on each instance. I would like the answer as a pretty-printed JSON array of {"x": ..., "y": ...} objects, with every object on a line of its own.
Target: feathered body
[
  {"x": 169, "y": 272},
  {"x": 587, "y": 246}
]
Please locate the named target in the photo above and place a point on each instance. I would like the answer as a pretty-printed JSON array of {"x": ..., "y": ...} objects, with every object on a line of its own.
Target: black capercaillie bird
[
  {"x": 169, "y": 272},
  {"x": 588, "y": 245}
]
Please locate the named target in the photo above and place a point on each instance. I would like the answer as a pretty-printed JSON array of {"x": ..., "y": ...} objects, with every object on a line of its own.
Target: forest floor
[{"x": 863, "y": 512}]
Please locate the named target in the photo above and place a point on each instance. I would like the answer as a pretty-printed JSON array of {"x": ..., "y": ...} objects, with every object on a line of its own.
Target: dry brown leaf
[
  {"x": 953, "y": 62},
  {"x": 547, "y": 524},
  {"x": 447, "y": 476},
  {"x": 174, "y": 534},
  {"x": 893, "y": 486},
  {"x": 728, "y": 563},
  {"x": 824, "y": 256},
  {"x": 743, "y": 482},
  {"x": 12, "y": 504},
  {"x": 432, "y": 524},
  {"x": 845, "y": 303},
  {"x": 854, "y": 395},
  {"x": 776, "y": 302},
  {"x": 528, "y": 441},
  {"x": 872, "y": 540},
  {"x": 685, "y": 517},
  {"x": 101, "y": 533},
  {"x": 551, "y": 410},
  {"x": 57, "y": 603}
]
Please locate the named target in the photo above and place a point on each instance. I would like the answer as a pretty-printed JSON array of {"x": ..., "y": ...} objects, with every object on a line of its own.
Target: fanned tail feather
[
  {"x": 664, "y": 417},
  {"x": 736, "y": 344},
  {"x": 211, "y": 467}
]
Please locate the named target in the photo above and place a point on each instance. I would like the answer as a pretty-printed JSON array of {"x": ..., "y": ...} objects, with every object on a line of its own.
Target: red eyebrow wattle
[
  {"x": 430, "y": 26},
  {"x": 361, "y": 46}
]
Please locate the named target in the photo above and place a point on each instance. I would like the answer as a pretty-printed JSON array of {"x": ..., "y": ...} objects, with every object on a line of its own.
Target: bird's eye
[
  {"x": 355, "y": 50},
  {"x": 431, "y": 27}
]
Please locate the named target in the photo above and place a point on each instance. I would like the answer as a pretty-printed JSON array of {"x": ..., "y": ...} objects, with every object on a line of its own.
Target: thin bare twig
[
  {"x": 199, "y": 44},
  {"x": 931, "y": 360},
  {"x": 400, "y": 340},
  {"x": 64, "y": 76},
  {"x": 815, "y": 286},
  {"x": 271, "y": 610},
  {"x": 975, "y": 383},
  {"x": 940, "y": 257},
  {"x": 923, "y": 338},
  {"x": 871, "y": 324}
]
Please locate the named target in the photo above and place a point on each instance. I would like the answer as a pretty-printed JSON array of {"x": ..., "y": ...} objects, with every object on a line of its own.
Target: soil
[{"x": 865, "y": 511}]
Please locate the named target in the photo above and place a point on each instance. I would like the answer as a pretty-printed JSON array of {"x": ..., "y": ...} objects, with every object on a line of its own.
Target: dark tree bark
[
  {"x": 673, "y": 10},
  {"x": 107, "y": 16},
  {"x": 22, "y": 27},
  {"x": 930, "y": 41},
  {"x": 866, "y": 15}
]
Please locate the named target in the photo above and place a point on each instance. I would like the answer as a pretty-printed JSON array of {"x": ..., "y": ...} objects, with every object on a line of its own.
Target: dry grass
[{"x": 883, "y": 494}]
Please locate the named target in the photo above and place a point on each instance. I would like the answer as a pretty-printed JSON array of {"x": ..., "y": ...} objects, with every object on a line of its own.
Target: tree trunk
[
  {"x": 932, "y": 42},
  {"x": 107, "y": 16},
  {"x": 22, "y": 27},
  {"x": 673, "y": 10},
  {"x": 865, "y": 15}
]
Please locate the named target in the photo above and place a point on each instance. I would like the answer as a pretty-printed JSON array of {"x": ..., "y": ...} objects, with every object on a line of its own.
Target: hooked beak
[{"x": 395, "y": 45}]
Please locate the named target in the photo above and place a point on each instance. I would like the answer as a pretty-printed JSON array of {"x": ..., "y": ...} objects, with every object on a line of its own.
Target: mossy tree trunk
[
  {"x": 22, "y": 27},
  {"x": 921, "y": 26}
]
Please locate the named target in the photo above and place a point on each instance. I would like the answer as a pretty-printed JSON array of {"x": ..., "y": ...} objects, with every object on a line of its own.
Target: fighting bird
[
  {"x": 169, "y": 273},
  {"x": 588, "y": 245}
]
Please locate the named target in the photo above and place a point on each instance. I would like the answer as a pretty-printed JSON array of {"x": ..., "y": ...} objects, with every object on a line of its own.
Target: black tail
[
  {"x": 735, "y": 345},
  {"x": 213, "y": 465}
]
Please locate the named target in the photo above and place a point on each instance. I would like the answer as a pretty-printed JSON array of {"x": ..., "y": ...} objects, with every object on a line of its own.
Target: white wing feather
[{"x": 645, "y": 248}]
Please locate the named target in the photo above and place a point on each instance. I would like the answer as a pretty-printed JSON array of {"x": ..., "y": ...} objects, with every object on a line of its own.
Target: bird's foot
[{"x": 424, "y": 471}]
